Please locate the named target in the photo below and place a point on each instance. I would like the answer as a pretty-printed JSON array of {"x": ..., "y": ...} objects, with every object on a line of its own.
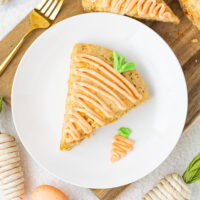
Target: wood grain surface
[{"x": 179, "y": 37}]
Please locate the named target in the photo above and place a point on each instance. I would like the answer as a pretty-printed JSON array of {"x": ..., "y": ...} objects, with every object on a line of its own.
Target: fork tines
[{"x": 49, "y": 8}]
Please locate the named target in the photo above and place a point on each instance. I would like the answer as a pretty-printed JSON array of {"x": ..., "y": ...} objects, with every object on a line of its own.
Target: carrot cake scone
[
  {"x": 191, "y": 9},
  {"x": 142, "y": 9},
  {"x": 102, "y": 87}
]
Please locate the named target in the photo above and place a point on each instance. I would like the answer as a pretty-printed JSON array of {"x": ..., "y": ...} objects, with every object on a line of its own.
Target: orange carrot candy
[{"x": 121, "y": 145}]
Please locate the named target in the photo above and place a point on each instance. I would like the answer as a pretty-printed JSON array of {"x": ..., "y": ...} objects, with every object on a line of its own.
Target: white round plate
[{"x": 39, "y": 95}]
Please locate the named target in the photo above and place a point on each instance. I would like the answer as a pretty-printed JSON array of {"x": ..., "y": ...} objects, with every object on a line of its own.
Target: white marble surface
[{"x": 187, "y": 148}]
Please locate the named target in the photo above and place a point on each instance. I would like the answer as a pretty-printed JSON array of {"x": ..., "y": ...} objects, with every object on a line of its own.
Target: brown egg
[{"x": 47, "y": 192}]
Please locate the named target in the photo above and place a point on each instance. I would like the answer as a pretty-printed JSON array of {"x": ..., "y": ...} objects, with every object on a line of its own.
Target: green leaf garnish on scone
[
  {"x": 1, "y": 101},
  {"x": 120, "y": 65},
  {"x": 192, "y": 173},
  {"x": 124, "y": 132}
]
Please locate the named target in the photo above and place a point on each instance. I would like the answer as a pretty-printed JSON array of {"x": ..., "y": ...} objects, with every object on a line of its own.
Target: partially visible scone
[
  {"x": 191, "y": 9},
  {"x": 142, "y": 9},
  {"x": 97, "y": 93},
  {"x": 3, "y": 1}
]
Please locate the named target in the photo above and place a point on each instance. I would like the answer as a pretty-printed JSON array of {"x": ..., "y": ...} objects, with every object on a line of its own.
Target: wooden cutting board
[{"x": 179, "y": 37}]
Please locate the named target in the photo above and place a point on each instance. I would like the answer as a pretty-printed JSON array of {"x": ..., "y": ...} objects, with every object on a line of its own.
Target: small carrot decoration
[
  {"x": 173, "y": 186},
  {"x": 121, "y": 145}
]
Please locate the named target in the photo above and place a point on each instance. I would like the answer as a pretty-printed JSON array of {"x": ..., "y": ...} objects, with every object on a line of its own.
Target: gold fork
[{"x": 42, "y": 16}]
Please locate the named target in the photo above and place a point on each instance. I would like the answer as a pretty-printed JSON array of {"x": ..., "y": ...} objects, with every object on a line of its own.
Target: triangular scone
[
  {"x": 97, "y": 93},
  {"x": 191, "y": 9},
  {"x": 142, "y": 9}
]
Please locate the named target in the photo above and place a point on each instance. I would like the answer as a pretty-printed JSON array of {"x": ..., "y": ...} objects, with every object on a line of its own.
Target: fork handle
[{"x": 8, "y": 59}]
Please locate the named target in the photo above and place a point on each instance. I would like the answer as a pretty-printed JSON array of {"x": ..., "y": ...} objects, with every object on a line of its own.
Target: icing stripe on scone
[
  {"x": 87, "y": 110},
  {"x": 144, "y": 7},
  {"x": 117, "y": 100},
  {"x": 152, "y": 8},
  {"x": 120, "y": 147},
  {"x": 108, "y": 86},
  {"x": 107, "y": 81},
  {"x": 121, "y": 79},
  {"x": 86, "y": 85},
  {"x": 106, "y": 3}
]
